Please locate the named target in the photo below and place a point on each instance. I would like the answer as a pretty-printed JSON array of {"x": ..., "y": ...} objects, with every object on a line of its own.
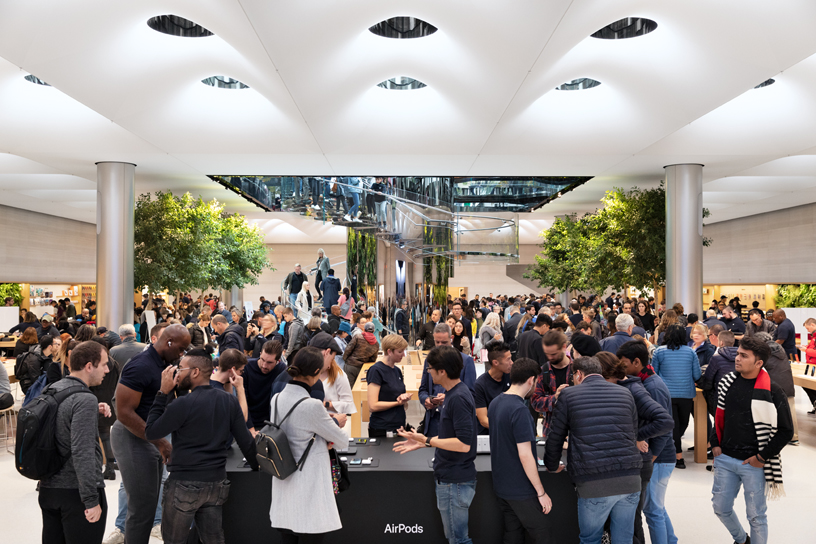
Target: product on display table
[{"x": 392, "y": 499}]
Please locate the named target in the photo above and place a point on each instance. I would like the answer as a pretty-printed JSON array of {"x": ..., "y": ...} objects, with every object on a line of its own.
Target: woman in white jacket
[
  {"x": 304, "y": 302},
  {"x": 338, "y": 399},
  {"x": 303, "y": 505}
]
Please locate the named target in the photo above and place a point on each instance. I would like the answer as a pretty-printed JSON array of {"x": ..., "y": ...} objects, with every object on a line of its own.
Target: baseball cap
[
  {"x": 324, "y": 340},
  {"x": 47, "y": 317}
]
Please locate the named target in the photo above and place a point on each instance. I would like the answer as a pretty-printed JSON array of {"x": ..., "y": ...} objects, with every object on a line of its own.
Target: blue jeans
[
  {"x": 293, "y": 300},
  {"x": 654, "y": 507},
  {"x": 355, "y": 197},
  {"x": 592, "y": 514},
  {"x": 453, "y": 501},
  {"x": 729, "y": 474}
]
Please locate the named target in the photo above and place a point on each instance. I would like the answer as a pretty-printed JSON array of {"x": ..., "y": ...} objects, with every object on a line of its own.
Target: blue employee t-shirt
[
  {"x": 143, "y": 375},
  {"x": 391, "y": 386},
  {"x": 457, "y": 420},
  {"x": 488, "y": 389},
  {"x": 510, "y": 424},
  {"x": 786, "y": 332}
]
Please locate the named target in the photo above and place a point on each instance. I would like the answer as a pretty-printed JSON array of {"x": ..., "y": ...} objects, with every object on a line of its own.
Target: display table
[
  {"x": 399, "y": 492},
  {"x": 799, "y": 378},
  {"x": 412, "y": 376},
  {"x": 700, "y": 428}
]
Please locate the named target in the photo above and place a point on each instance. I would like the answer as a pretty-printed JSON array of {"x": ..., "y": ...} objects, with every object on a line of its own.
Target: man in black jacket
[
  {"x": 47, "y": 327},
  {"x": 603, "y": 458},
  {"x": 401, "y": 320},
  {"x": 511, "y": 328},
  {"x": 202, "y": 423},
  {"x": 529, "y": 343},
  {"x": 425, "y": 337},
  {"x": 229, "y": 336}
]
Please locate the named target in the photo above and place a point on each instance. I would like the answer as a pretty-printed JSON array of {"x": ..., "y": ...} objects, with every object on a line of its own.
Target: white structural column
[
  {"x": 684, "y": 236},
  {"x": 115, "y": 199}
]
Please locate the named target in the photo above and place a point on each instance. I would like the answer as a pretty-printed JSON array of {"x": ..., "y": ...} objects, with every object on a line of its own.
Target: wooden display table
[
  {"x": 700, "y": 428},
  {"x": 8, "y": 342},
  {"x": 412, "y": 375},
  {"x": 799, "y": 378}
]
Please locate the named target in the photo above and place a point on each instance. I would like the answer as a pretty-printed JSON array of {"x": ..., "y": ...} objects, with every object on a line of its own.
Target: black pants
[
  {"x": 288, "y": 537},
  {"x": 681, "y": 411},
  {"x": 525, "y": 516},
  {"x": 184, "y": 502},
  {"x": 64, "y": 517},
  {"x": 6, "y": 401},
  {"x": 104, "y": 436},
  {"x": 318, "y": 280},
  {"x": 810, "y": 393}
]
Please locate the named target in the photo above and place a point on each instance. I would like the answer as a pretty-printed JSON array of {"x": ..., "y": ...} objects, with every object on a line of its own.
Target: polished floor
[{"x": 688, "y": 502}]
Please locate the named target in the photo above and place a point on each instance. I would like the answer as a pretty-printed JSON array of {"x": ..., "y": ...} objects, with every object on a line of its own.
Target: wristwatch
[{"x": 428, "y": 441}]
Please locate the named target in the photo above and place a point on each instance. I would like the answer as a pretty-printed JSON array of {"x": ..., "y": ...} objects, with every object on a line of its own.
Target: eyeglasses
[{"x": 183, "y": 369}]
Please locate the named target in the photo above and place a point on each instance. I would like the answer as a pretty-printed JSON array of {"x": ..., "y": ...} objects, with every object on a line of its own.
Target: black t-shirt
[
  {"x": 735, "y": 325},
  {"x": 488, "y": 389},
  {"x": 576, "y": 318},
  {"x": 457, "y": 420},
  {"x": 316, "y": 391},
  {"x": 391, "y": 386},
  {"x": 143, "y": 375},
  {"x": 560, "y": 375},
  {"x": 511, "y": 424},
  {"x": 787, "y": 332}
]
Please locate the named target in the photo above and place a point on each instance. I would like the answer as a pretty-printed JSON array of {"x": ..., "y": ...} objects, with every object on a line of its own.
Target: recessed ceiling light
[
  {"x": 578, "y": 84},
  {"x": 401, "y": 83},
  {"x": 765, "y": 83},
  {"x": 224, "y": 82},
  {"x": 177, "y": 26},
  {"x": 402, "y": 28},
  {"x": 630, "y": 27},
  {"x": 35, "y": 79}
]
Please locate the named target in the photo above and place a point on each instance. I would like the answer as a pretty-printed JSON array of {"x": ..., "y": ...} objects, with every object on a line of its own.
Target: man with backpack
[
  {"x": 29, "y": 366},
  {"x": 72, "y": 500}
]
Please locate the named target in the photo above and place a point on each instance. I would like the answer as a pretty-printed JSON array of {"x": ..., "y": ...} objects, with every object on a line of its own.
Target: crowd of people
[{"x": 615, "y": 378}]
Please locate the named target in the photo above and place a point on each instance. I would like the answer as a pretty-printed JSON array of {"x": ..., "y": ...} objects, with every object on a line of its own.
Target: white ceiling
[{"x": 683, "y": 93}]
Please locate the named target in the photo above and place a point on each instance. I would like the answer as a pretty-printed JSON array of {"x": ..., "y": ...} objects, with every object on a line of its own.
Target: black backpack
[
  {"x": 36, "y": 454},
  {"x": 273, "y": 452}
]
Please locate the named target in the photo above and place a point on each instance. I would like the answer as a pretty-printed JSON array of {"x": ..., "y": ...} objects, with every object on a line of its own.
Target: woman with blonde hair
[
  {"x": 386, "y": 389},
  {"x": 701, "y": 346},
  {"x": 491, "y": 329}
]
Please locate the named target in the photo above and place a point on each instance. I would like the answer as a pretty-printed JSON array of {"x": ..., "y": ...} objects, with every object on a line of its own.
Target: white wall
[
  {"x": 774, "y": 247},
  {"x": 39, "y": 248}
]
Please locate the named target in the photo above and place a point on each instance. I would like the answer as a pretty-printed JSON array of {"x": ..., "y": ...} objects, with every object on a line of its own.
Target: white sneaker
[
  {"x": 316, "y": 207},
  {"x": 116, "y": 537},
  {"x": 347, "y": 217},
  {"x": 155, "y": 532}
]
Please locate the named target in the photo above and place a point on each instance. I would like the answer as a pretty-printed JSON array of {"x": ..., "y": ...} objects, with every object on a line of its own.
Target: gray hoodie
[{"x": 78, "y": 437}]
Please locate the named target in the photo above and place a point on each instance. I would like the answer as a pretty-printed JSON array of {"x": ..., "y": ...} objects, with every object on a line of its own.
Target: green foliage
[
  {"x": 182, "y": 243},
  {"x": 796, "y": 296},
  {"x": 439, "y": 238},
  {"x": 624, "y": 243},
  {"x": 12, "y": 290},
  {"x": 361, "y": 255}
]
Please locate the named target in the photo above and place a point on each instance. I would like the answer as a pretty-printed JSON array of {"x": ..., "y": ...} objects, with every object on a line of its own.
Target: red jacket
[{"x": 811, "y": 352}]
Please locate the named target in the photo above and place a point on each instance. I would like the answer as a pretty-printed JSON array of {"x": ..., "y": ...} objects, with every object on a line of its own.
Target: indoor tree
[{"x": 184, "y": 243}]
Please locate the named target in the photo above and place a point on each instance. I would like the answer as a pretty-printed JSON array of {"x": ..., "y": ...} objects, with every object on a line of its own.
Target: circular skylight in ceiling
[
  {"x": 765, "y": 83},
  {"x": 401, "y": 83},
  {"x": 630, "y": 27},
  {"x": 224, "y": 82},
  {"x": 177, "y": 26},
  {"x": 403, "y": 28},
  {"x": 35, "y": 79},
  {"x": 578, "y": 84}
]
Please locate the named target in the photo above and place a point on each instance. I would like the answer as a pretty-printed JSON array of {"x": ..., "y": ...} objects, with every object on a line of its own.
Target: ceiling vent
[
  {"x": 765, "y": 83},
  {"x": 403, "y": 28},
  {"x": 224, "y": 82},
  {"x": 578, "y": 84},
  {"x": 35, "y": 79},
  {"x": 630, "y": 27},
  {"x": 177, "y": 26},
  {"x": 401, "y": 83}
]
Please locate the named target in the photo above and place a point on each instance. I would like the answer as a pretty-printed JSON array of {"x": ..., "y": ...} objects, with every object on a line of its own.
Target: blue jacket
[
  {"x": 704, "y": 352},
  {"x": 601, "y": 420},
  {"x": 679, "y": 368},
  {"x": 331, "y": 291},
  {"x": 654, "y": 421},
  {"x": 661, "y": 446},
  {"x": 612, "y": 343},
  {"x": 721, "y": 364}
]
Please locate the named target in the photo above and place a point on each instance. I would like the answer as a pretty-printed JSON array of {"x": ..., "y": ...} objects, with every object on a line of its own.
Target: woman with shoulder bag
[{"x": 303, "y": 507}]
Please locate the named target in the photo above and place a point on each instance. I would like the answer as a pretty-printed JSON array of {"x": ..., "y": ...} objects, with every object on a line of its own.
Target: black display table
[{"x": 399, "y": 492}]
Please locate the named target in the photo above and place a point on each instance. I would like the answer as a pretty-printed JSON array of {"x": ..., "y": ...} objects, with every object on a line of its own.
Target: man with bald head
[
  {"x": 785, "y": 334},
  {"x": 140, "y": 461}
]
